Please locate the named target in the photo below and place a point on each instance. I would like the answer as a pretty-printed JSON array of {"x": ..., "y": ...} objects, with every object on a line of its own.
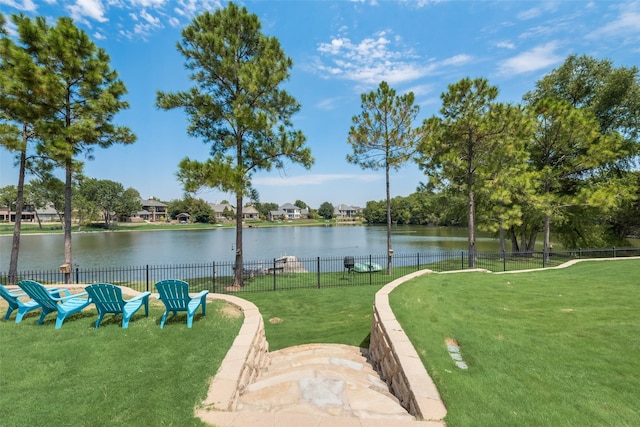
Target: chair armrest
[
  {"x": 16, "y": 293},
  {"x": 200, "y": 294},
  {"x": 69, "y": 296},
  {"x": 141, "y": 296},
  {"x": 60, "y": 292}
]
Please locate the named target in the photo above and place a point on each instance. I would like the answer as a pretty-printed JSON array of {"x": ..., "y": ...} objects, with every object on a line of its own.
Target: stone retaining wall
[
  {"x": 397, "y": 361},
  {"x": 246, "y": 359}
]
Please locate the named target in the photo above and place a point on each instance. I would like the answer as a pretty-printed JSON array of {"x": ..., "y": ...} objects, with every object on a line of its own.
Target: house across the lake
[{"x": 288, "y": 212}]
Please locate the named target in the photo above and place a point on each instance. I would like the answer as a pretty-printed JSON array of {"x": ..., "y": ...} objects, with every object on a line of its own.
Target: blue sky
[{"x": 340, "y": 50}]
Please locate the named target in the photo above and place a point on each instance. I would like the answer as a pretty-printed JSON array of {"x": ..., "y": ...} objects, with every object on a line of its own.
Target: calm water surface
[{"x": 199, "y": 246}]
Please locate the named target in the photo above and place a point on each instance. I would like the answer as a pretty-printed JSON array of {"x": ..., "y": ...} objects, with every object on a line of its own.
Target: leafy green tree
[
  {"x": 264, "y": 209},
  {"x": 611, "y": 94},
  {"x": 178, "y": 206},
  {"x": 301, "y": 204},
  {"x": 383, "y": 137},
  {"x": 129, "y": 204},
  {"x": 611, "y": 97},
  {"x": 110, "y": 197},
  {"x": 567, "y": 151},
  {"x": 201, "y": 212},
  {"x": 326, "y": 210},
  {"x": 8, "y": 196},
  {"x": 83, "y": 95},
  {"x": 475, "y": 140},
  {"x": 237, "y": 106}
]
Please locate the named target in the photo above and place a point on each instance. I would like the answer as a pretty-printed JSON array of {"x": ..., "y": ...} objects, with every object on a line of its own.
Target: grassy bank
[
  {"x": 81, "y": 376},
  {"x": 53, "y": 228},
  {"x": 555, "y": 347}
]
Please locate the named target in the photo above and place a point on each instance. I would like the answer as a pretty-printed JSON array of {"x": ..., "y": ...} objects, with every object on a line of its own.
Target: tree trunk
[
  {"x": 547, "y": 232},
  {"x": 389, "y": 248},
  {"x": 472, "y": 230},
  {"x": 67, "y": 218},
  {"x": 38, "y": 219},
  {"x": 503, "y": 243},
  {"x": 237, "y": 274},
  {"x": 515, "y": 249},
  {"x": 15, "y": 245}
]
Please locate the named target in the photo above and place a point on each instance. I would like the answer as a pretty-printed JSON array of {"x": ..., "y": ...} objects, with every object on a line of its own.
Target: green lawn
[
  {"x": 552, "y": 348},
  {"x": 81, "y": 376}
]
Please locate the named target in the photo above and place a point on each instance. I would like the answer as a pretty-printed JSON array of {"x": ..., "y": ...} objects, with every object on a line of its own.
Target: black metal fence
[{"x": 320, "y": 272}]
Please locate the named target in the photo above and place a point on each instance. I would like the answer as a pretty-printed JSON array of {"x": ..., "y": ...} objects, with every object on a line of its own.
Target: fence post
[
  {"x": 370, "y": 272},
  {"x": 274, "y": 274},
  {"x": 544, "y": 258},
  {"x": 147, "y": 277},
  {"x": 504, "y": 261},
  {"x": 77, "y": 275},
  {"x": 462, "y": 253},
  {"x": 614, "y": 252},
  {"x": 418, "y": 254},
  {"x": 213, "y": 275},
  {"x": 318, "y": 272}
]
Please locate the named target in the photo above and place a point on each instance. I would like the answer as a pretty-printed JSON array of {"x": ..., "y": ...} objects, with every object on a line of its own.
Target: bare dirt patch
[
  {"x": 231, "y": 311},
  {"x": 275, "y": 320}
]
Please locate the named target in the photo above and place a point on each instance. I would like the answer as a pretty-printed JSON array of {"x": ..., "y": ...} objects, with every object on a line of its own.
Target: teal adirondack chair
[
  {"x": 65, "y": 305},
  {"x": 175, "y": 296},
  {"x": 13, "y": 299},
  {"x": 108, "y": 299}
]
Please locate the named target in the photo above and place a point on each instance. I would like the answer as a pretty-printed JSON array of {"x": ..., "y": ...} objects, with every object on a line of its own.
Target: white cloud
[
  {"x": 148, "y": 3},
  {"x": 369, "y": 61},
  {"x": 24, "y": 5},
  {"x": 190, "y": 8},
  {"x": 152, "y": 20},
  {"x": 87, "y": 9},
  {"x": 99, "y": 36},
  {"x": 506, "y": 45},
  {"x": 313, "y": 179},
  {"x": 535, "y": 59},
  {"x": 626, "y": 24}
]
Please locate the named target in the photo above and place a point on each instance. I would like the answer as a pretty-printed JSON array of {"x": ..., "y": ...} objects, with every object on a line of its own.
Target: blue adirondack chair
[
  {"x": 64, "y": 305},
  {"x": 13, "y": 299},
  {"x": 175, "y": 296},
  {"x": 108, "y": 299}
]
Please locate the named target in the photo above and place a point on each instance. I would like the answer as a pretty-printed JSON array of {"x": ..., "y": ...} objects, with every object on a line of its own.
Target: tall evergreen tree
[
  {"x": 83, "y": 96},
  {"x": 23, "y": 92},
  {"x": 383, "y": 137},
  {"x": 475, "y": 142},
  {"x": 236, "y": 106}
]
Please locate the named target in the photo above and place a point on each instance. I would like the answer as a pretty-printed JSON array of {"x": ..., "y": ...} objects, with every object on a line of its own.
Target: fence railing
[{"x": 320, "y": 272}]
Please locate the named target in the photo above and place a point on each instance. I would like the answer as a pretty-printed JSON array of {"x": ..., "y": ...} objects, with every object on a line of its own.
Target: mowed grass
[
  {"x": 340, "y": 315},
  {"x": 545, "y": 348},
  {"x": 81, "y": 376}
]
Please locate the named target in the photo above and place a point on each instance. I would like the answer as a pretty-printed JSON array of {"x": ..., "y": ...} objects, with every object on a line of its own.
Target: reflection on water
[{"x": 111, "y": 249}]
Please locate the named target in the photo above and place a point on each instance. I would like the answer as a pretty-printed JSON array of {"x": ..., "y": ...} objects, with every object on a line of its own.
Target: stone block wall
[
  {"x": 247, "y": 358},
  {"x": 397, "y": 361}
]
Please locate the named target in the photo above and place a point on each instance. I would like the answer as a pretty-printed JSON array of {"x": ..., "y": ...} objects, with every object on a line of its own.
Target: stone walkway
[{"x": 318, "y": 385}]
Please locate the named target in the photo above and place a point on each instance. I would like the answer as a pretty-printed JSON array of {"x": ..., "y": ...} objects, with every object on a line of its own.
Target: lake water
[{"x": 200, "y": 246}]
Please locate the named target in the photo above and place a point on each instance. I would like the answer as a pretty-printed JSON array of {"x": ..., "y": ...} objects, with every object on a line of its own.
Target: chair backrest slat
[
  {"x": 106, "y": 295},
  {"x": 174, "y": 293},
  {"x": 38, "y": 293}
]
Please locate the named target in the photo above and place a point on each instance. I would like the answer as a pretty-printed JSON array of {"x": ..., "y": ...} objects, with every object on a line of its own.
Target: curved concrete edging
[{"x": 397, "y": 361}]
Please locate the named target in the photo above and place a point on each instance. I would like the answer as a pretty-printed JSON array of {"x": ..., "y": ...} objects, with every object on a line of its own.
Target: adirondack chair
[
  {"x": 13, "y": 299},
  {"x": 108, "y": 299},
  {"x": 64, "y": 305},
  {"x": 175, "y": 296}
]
